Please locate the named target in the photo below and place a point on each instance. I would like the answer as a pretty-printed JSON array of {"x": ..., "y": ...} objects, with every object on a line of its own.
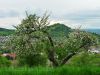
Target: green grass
[{"x": 51, "y": 71}]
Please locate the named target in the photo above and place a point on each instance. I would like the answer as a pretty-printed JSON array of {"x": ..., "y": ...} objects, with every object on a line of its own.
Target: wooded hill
[{"x": 55, "y": 30}]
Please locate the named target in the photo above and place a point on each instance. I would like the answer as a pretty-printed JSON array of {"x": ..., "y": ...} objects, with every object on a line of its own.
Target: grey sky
[{"x": 70, "y": 12}]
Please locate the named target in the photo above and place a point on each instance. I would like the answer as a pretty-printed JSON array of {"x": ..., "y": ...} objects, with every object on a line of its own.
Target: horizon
[{"x": 65, "y": 25}]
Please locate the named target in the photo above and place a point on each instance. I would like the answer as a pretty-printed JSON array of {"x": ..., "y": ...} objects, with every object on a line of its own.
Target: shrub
[
  {"x": 33, "y": 60},
  {"x": 4, "y": 62}
]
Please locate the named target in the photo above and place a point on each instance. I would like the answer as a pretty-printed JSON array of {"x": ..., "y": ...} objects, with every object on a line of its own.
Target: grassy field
[{"x": 51, "y": 71}]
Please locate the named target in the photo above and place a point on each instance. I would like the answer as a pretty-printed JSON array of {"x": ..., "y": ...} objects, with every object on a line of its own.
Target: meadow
[{"x": 65, "y": 70}]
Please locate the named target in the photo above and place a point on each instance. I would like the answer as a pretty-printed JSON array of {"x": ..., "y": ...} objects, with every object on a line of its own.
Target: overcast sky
[{"x": 74, "y": 13}]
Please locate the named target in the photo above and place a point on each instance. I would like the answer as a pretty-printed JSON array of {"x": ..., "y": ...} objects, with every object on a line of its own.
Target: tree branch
[
  {"x": 67, "y": 58},
  {"x": 70, "y": 55}
]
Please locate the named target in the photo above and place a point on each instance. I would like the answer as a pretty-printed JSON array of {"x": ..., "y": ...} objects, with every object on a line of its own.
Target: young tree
[{"x": 32, "y": 38}]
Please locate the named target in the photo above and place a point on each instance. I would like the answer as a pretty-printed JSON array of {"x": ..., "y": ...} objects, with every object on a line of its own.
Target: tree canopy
[{"x": 33, "y": 39}]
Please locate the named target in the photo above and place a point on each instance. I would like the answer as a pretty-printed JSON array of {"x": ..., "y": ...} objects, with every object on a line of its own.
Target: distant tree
[{"x": 33, "y": 39}]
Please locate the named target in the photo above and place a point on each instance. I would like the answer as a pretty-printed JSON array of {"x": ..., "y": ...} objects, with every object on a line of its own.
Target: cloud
[
  {"x": 88, "y": 19},
  {"x": 70, "y": 12},
  {"x": 9, "y": 22},
  {"x": 9, "y": 13}
]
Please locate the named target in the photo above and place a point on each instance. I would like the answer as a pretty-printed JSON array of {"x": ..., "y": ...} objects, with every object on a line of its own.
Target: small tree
[{"x": 33, "y": 39}]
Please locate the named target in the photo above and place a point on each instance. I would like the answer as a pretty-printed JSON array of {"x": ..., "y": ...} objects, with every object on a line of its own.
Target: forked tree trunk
[{"x": 52, "y": 53}]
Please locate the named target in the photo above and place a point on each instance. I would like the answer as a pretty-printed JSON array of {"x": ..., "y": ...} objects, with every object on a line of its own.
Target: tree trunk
[
  {"x": 51, "y": 56},
  {"x": 51, "y": 52}
]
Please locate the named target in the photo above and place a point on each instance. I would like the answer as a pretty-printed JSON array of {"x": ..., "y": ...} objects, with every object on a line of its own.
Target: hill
[
  {"x": 55, "y": 30},
  {"x": 6, "y": 32},
  {"x": 58, "y": 30}
]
